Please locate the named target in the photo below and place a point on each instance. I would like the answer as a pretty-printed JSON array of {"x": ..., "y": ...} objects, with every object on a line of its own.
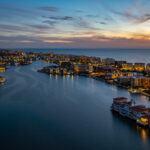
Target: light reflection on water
[
  {"x": 144, "y": 99},
  {"x": 72, "y": 79},
  {"x": 145, "y": 133}
]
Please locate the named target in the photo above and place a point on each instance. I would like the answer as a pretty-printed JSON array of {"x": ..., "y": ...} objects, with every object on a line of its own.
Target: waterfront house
[
  {"x": 110, "y": 76},
  {"x": 119, "y": 63},
  {"x": 104, "y": 69},
  {"x": 108, "y": 61},
  {"x": 83, "y": 68},
  {"x": 147, "y": 68},
  {"x": 137, "y": 111},
  {"x": 124, "y": 80},
  {"x": 95, "y": 61},
  {"x": 140, "y": 81},
  {"x": 127, "y": 67},
  {"x": 139, "y": 67},
  {"x": 121, "y": 105},
  {"x": 2, "y": 69},
  {"x": 118, "y": 102},
  {"x": 124, "y": 108},
  {"x": 66, "y": 65}
]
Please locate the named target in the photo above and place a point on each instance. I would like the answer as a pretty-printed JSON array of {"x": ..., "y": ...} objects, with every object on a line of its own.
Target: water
[
  {"x": 130, "y": 55},
  {"x": 42, "y": 112}
]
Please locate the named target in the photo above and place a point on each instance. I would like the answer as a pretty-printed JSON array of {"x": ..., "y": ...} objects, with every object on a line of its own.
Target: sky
[{"x": 74, "y": 24}]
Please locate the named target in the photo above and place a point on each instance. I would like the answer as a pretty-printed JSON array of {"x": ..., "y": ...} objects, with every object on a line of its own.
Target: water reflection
[
  {"x": 72, "y": 79},
  {"x": 143, "y": 98},
  {"x": 114, "y": 89},
  {"x": 144, "y": 133},
  {"x": 50, "y": 76},
  {"x": 56, "y": 77},
  {"x": 131, "y": 127}
]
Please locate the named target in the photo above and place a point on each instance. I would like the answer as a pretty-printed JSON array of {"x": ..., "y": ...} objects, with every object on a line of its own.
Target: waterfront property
[
  {"x": 147, "y": 68},
  {"x": 108, "y": 61},
  {"x": 83, "y": 68},
  {"x": 127, "y": 67},
  {"x": 140, "y": 67},
  {"x": 137, "y": 111},
  {"x": 140, "y": 81},
  {"x": 126, "y": 108},
  {"x": 110, "y": 76},
  {"x": 2, "y": 68}
]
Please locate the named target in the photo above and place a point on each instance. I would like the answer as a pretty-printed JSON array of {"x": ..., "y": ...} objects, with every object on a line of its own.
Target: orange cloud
[
  {"x": 25, "y": 41},
  {"x": 56, "y": 41}
]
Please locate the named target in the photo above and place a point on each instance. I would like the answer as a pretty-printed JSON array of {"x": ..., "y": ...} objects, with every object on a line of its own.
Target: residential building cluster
[
  {"x": 128, "y": 109},
  {"x": 14, "y": 58},
  {"x": 122, "y": 73}
]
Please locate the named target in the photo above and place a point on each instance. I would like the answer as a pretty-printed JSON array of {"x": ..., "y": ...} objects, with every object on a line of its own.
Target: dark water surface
[{"x": 42, "y": 112}]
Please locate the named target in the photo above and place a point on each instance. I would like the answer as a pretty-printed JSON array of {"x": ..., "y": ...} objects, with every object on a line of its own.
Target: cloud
[
  {"x": 62, "y": 18},
  {"x": 103, "y": 23},
  {"x": 83, "y": 24},
  {"x": 92, "y": 16},
  {"x": 56, "y": 41},
  {"x": 35, "y": 28},
  {"x": 17, "y": 38},
  {"x": 7, "y": 27},
  {"x": 94, "y": 41},
  {"x": 78, "y": 22},
  {"x": 39, "y": 27},
  {"x": 24, "y": 41},
  {"x": 49, "y": 22},
  {"x": 137, "y": 13},
  {"x": 49, "y": 8}
]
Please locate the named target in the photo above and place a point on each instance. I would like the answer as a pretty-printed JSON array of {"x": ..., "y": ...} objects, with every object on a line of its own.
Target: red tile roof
[{"x": 119, "y": 98}]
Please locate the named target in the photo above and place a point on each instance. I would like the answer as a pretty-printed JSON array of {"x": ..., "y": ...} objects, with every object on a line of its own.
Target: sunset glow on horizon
[{"x": 75, "y": 24}]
